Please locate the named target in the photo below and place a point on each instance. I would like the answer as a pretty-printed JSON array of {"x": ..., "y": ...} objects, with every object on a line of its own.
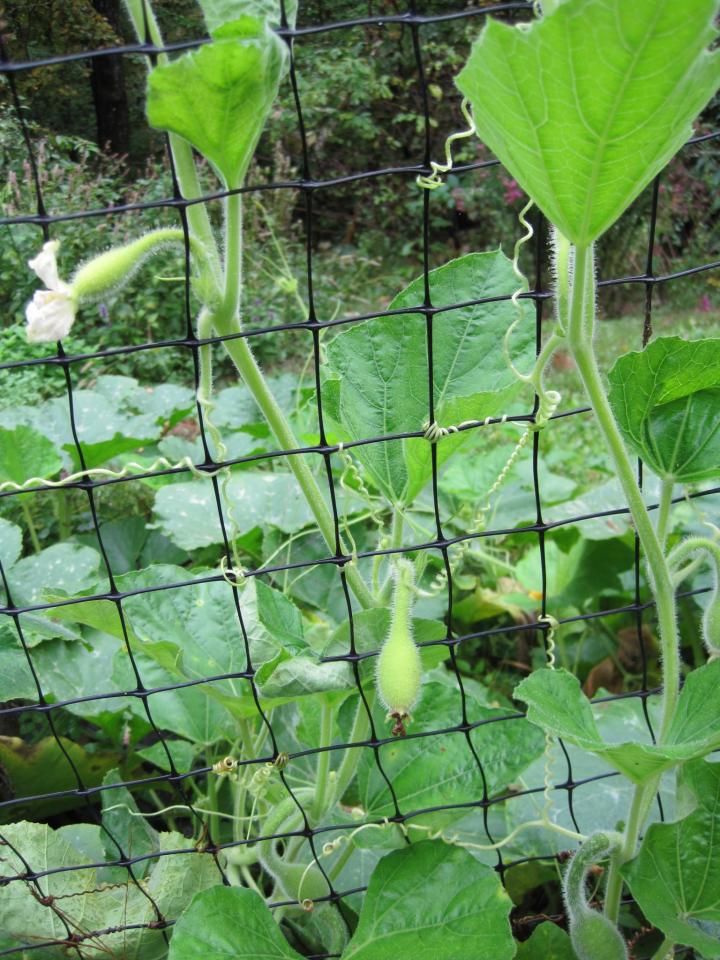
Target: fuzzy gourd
[
  {"x": 592, "y": 935},
  {"x": 399, "y": 668}
]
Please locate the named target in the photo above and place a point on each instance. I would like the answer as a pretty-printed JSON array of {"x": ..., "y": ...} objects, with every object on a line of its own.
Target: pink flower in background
[
  {"x": 705, "y": 305},
  {"x": 512, "y": 190}
]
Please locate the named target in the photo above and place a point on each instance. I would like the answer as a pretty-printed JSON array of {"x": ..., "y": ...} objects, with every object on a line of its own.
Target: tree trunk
[{"x": 107, "y": 78}]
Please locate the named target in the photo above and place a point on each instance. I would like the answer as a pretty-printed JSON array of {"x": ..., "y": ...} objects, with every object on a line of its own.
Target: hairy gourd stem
[
  {"x": 593, "y": 936},
  {"x": 143, "y": 19},
  {"x": 580, "y": 345}
]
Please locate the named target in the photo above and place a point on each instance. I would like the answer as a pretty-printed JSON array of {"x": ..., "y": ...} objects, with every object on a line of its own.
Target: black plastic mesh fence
[{"x": 310, "y": 184}]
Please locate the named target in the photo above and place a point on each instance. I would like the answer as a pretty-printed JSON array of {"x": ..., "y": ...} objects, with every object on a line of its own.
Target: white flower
[{"x": 51, "y": 312}]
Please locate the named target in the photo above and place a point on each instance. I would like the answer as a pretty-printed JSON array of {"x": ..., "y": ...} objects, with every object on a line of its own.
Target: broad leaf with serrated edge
[
  {"x": 378, "y": 370},
  {"x": 557, "y": 704},
  {"x": 666, "y": 399},
  {"x": 585, "y": 106},
  {"x": 433, "y": 900},
  {"x": 229, "y": 923}
]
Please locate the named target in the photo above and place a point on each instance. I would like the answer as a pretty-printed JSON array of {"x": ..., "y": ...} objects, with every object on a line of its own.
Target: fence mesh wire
[{"x": 310, "y": 184}]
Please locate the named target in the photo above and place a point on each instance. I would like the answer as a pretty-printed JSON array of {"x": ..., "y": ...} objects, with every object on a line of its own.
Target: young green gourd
[
  {"x": 399, "y": 668},
  {"x": 592, "y": 935}
]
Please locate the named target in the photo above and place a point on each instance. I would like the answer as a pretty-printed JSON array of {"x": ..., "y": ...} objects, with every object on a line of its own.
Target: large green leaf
[
  {"x": 675, "y": 878},
  {"x": 666, "y": 400},
  {"x": 557, "y": 704},
  {"x": 187, "y": 512},
  {"x": 432, "y": 900},
  {"x": 378, "y": 370},
  {"x": 587, "y": 104},
  {"x": 91, "y": 904},
  {"x": 434, "y": 771},
  {"x": 64, "y": 566},
  {"x": 25, "y": 453},
  {"x": 218, "y": 97},
  {"x": 229, "y": 923}
]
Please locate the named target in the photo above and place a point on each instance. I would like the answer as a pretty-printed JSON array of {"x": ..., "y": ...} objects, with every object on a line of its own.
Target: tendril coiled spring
[{"x": 435, "y": 179}]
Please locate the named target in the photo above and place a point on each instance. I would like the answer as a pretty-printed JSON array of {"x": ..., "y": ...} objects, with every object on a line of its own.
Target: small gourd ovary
[{"x": 399, "y": 669}]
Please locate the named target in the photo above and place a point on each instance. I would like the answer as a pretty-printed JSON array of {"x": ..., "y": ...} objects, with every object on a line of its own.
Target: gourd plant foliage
[{"x": 583, "y": 106}]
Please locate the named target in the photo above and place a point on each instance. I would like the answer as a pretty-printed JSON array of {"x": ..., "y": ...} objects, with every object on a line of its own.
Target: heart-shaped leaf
[
  {"x": 557, "y": 704},
  {"x": 666, "y": 400},
  {"x": 675, "y": 878},
  {"x": 432, "y": 900},
  {"x": 218, "y": 97},
  {"x": 229, "y": 923},
  {"x": 585, "y": 106},
  {"x": 378, "y": 380}
]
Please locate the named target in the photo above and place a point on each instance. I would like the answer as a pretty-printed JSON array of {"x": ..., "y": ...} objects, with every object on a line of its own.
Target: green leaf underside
[
  {"x": 588, "y": 104},
  {"x": 557, "y": 704},
  {"x": 378, "y": 374},
  {"x": 172, "y": 882},
  {"x": 666, "y": 400},
  {"x": 432, "y": 900},
  {"x": 218, "y": 13},
  {"x": 675, "y": 878},
  {"x": 228, "y": 922},
  {"x": 218, "y": 97}
]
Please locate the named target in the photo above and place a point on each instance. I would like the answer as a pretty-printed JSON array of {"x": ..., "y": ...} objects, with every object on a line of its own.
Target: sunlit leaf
[
  {"x": 430, "y": 901},
  {"x": 585, "y": 106},
  {"x": 218, "y": 97}
]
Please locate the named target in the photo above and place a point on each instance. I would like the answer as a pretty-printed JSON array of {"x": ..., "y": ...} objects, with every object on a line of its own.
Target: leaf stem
[
  {"x": 665, "y": 950},
  {"x": 323, "y": 765},
  {"x": 581, "y": 349},
  {"x": 580, "y": 344},
  {"x": 358, "y": 734},
  {"x": 246, "y": 364},
  {"x": 664, "y": 508},
  {"x": 32, "y": 529}
]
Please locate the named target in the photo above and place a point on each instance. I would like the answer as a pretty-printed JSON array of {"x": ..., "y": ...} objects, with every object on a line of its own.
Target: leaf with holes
[
  {"x": 666, "y": 400},
  {"x": 585, "y": 106},
  {"x": 377, "y": 382},
  {"x": 557, "y": 705}
]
